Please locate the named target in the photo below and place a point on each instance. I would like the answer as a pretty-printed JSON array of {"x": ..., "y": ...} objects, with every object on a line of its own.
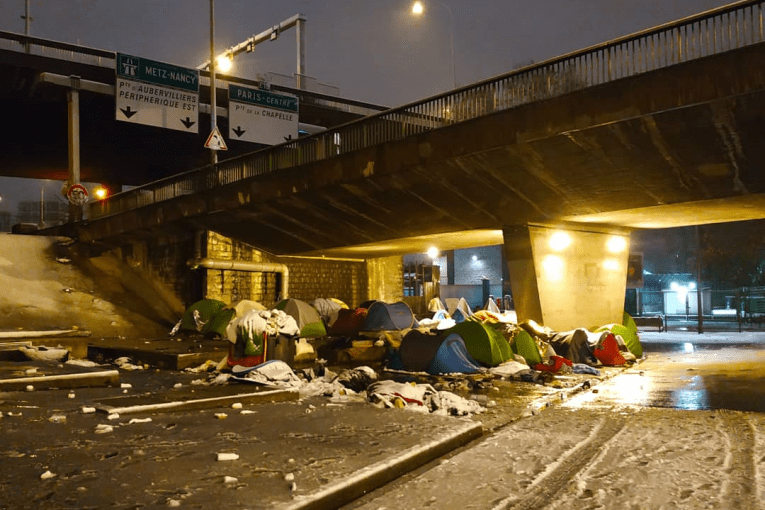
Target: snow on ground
[{"x": 600, "y": 459}]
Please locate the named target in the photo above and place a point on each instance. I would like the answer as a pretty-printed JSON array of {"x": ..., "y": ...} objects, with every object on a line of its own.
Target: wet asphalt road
[{"x": 171, "y": 460}]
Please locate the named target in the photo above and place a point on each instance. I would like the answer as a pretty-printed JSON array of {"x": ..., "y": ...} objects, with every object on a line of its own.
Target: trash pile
[{"x": 360, "y": 383}]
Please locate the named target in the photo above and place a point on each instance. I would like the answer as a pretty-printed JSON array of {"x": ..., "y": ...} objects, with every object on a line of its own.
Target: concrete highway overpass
[{"x": 654, "y": 130}]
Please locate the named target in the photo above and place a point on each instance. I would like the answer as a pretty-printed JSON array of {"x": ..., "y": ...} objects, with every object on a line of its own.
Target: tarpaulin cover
[
  {"x": 484, "y": 343},
  {"x": 389, "y": 316},
  {"x": 306, "y": 316},
  {"x": 574, "y": 345}
]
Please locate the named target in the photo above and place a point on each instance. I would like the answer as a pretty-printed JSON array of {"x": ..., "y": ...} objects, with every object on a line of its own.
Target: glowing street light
[
  {"x": 418, "y": 8},
  {"x": 100, "y": 193},
  {"x": 224, "y": 63}
]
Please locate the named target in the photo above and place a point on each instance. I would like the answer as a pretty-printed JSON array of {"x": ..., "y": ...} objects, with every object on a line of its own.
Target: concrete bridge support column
[{"x": 568, "y": 277}]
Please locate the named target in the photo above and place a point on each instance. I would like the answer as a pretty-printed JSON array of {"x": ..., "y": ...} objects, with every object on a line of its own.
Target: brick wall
[
  {"x": 309, "y": 278},
  {"x": 165, "y": 259}
]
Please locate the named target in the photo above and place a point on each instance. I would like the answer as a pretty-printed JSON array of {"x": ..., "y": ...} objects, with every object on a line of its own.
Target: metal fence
[
  {"x": 744, "y": 304},
  {"x": 713, "y": 32}
]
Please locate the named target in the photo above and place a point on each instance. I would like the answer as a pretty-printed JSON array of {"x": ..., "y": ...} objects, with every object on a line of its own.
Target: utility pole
[{"x": 27, "y": 24}]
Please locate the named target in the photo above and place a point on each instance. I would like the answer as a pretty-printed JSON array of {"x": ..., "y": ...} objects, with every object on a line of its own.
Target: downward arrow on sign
[
  {"x": 188, "y": 122},
  {"x": 128, "y": 112},
  {"x": 239, "y": 131}
]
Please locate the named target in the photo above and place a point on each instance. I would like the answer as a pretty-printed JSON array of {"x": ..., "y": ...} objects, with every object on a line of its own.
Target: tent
[
  {"x": 306, "y": 316},
  {"x": 435, "y": 305},
  {"x": 453, "y": 304},
  {"x": 328, "y": 309},
  {"x": 491, "y": 305},
  {"x": 207, "y": 316},
  {"x": 576, "y": 345},
  {"x": 418, "y": 349},
  {"x": 484, "y": 343},
  {"x": 523, "y": 344},
  {"x": 389, "y": 316},
  {"x": 349, "y": 322},
  {"x": 436, "y": 354},
  {"x": 629, "y": 335}
]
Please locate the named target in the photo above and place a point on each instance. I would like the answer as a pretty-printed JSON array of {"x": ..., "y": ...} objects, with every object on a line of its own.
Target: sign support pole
[
  {"x": 213, "y": 106},
  {"x": 73, "y": 107}
]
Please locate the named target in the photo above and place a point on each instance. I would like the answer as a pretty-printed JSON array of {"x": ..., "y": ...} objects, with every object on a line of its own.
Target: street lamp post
[
  {"x": 213, "y": 106},
  {"x": 418, "y": 8}
]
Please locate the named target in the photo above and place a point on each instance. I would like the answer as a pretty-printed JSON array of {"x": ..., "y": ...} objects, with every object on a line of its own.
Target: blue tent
[
  {"x": 435, "y": 354},
  {"x": 453, "y": 357},
  {"x": 389, "y": 317}
]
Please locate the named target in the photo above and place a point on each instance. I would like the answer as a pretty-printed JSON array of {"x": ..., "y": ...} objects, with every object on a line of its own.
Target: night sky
[{"x": 371, "y": 50}]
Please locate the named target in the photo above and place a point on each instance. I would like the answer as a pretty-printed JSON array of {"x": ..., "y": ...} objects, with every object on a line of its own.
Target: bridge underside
[
  {"x": 680, "y": 146},
  {"x": 674, "y": 147}
]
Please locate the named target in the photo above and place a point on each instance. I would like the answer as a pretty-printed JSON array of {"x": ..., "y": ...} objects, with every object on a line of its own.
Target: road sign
[
  {"x": 157, "y": 94},
  {"x": 215, "y": 141},
  {"x": 77, "y": 194},
  {"x": 258, "y": 116}
]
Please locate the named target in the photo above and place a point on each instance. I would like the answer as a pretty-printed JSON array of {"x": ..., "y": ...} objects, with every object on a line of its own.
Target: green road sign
[
  {"x": 158, "y": 73},
  {"x": 262, "y": 98}
]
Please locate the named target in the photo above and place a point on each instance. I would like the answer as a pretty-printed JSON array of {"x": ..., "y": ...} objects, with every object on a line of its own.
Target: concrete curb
[
  {"x": 375, "y": 476},
  {"x": 82, "y": 380},
  {"x": 266, "y": 396}
]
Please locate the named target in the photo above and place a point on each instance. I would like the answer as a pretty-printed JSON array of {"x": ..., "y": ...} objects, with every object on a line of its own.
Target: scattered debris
[
  {"x": 82, "y": 363},
  {"x": 47, "y": 475},
  {"x": 103, "y": 429},
  {"x": 42, "y": 353},
  {"x": 125, "y": 364},
  {"x": 228, "y": 456}
]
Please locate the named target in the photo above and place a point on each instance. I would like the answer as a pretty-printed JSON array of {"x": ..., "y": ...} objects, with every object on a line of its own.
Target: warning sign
[{"x": 215, "y": 141}]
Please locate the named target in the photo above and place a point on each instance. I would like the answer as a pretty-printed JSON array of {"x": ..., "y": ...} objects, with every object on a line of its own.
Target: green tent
[
  {"x": 524, "y": 345},
  {"x": 485, "y": 344},
  {"x": 213, "y": 316},
  {"x": 307, "y": 318}
]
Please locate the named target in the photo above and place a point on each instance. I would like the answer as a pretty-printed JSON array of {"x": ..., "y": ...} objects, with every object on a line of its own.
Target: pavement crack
[{"x": 545, "y": 488}]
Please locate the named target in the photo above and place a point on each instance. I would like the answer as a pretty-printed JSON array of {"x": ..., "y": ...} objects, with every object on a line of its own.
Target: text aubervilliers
[{"x": 159, "y": 96}]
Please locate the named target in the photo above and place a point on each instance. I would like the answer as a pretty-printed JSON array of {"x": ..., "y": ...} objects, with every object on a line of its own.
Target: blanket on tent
[{"x": 576, "y": 345}]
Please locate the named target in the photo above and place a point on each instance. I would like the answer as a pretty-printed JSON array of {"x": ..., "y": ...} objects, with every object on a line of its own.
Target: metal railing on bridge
[
  {"x": 57, "y": 50},
  {"x": 709, "y": 33}
]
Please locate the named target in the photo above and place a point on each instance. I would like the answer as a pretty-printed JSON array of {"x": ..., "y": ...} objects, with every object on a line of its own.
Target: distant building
[{"x": 54, "y": 212}]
